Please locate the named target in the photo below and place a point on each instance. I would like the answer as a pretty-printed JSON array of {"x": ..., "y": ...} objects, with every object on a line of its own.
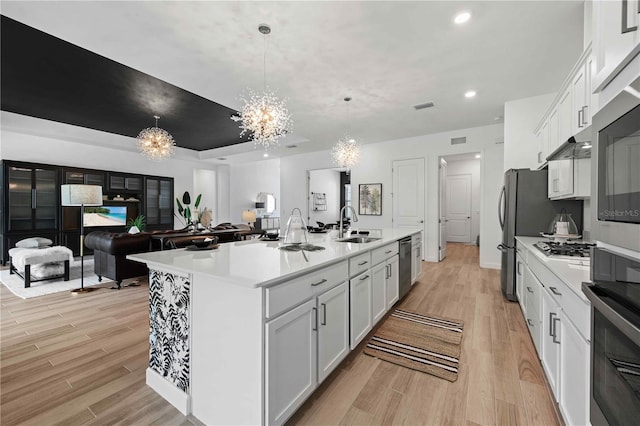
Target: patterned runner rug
[{"x": 421, "y": 342}]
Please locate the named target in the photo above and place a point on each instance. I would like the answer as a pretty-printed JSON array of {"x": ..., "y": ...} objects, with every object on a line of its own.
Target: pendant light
[
  {"x": 346, "y": 152},
  {"x": 156, "y": 143},
  {"x": 264, "y": 116}
]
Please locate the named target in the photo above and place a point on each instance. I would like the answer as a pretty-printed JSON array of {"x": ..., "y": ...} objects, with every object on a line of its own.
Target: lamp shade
[
  {"x": 249, "y": 216},
  {"x": 78, "y": 195}
]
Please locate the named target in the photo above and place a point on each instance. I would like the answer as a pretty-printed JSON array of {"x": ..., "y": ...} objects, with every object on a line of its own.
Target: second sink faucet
[{"x": 355, "y": 219}]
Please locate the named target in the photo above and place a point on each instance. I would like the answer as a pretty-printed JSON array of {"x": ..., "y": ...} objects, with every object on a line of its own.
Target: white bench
[{"x": 40, "y": 263}]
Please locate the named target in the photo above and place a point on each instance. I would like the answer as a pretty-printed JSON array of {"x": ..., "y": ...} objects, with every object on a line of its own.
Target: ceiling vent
[
  {"x": 423, "y": 106},
  {"x": 291, "y": 146},
  {"x": 458, "y": 141}
]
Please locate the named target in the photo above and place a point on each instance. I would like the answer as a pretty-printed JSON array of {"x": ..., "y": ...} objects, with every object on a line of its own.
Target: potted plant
[
  {"x": 185, "y": 210},
  {"x": 139, "y": 222}
]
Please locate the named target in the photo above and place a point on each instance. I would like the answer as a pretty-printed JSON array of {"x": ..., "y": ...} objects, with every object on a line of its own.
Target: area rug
[
  {"x": 14, "y": 283},
  {"x": 421, "y": 342}
]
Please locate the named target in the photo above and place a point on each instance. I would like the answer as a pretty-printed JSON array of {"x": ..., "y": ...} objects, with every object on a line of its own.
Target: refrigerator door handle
[
  {"x": 502, "y": 207},
  {"x": 502, "y": 247}
]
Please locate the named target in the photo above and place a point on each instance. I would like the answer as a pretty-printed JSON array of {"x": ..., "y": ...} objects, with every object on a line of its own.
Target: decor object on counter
[
  {"x": 296, "y": 232},
  {"x": 562, "y": 227},
  {"x": 264, "y": 115},
  {"x": 346, "y": 152},
  {"x": 249, "y": 216},
  {"x": 139, "y": 223},
  {"x": 421, "y": 342},
  {"x": 185, "y": 211},
  {"x": 156, "y": 143},
  {"x": 81, "y": 195},
  {"x": 206, "y": 217},
  {"x": 370, "y": 199}
]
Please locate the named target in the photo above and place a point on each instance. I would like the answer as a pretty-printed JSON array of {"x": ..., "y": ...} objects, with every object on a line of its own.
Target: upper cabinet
[{"x": 616, "y": 40}]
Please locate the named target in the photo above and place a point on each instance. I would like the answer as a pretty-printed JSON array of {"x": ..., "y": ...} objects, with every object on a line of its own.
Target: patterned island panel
[{"x": 169, "y": 300}]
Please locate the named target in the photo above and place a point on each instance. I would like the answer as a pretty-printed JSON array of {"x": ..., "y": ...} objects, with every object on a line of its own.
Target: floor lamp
[{"x": 81, "y": 195}]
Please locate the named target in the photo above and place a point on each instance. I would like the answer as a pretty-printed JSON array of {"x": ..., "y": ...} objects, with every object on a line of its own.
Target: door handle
[
  {"x": 322, "y": 281},
  {"x": 519, "y": 271},
  {"x": 421, "y": 221},
  {"x": 34, "y": 199},
  {"x": 364, "y": 278},
  {"x": 468, "y": 217},
  {"x": 500, "y": 209},
  {"x": 324, "y": 313},
  {"x": 530, "y": 322}
]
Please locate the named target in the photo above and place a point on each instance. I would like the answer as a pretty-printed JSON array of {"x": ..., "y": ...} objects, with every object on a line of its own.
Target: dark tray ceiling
[{"x": 46, "y": 77}]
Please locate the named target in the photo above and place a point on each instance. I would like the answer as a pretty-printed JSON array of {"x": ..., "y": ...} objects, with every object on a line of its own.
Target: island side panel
[
  {"x": 169, "y": 336},
  {"x": 227, "y": 352}
]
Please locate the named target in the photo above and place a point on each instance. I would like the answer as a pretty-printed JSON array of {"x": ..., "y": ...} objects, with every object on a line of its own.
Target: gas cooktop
[{"x": 567, "y": 250}]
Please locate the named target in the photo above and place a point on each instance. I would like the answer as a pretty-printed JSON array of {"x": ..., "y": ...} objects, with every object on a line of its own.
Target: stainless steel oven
[
  {"x": 616, "y": 182},
  {"x": 615, "y": 338}
]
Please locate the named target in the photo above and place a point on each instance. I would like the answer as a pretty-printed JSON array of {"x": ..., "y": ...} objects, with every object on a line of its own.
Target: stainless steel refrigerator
[{"x": 525, "y": 210}]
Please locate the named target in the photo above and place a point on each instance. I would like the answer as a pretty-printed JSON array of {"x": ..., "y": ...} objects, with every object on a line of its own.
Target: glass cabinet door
[
  {"x": 164, "y": 203},
  {"x": 20, "y": 198},
  {"x": 153, "y": 215},
  {"x": 45, "y": 199}
]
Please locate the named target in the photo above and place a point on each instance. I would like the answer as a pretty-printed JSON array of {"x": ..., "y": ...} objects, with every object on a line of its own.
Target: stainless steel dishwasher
[{"x": 405, "y": 266}]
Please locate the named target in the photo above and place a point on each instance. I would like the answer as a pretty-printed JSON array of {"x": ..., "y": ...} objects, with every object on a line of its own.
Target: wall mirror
[{"x": 268, "y": 201}]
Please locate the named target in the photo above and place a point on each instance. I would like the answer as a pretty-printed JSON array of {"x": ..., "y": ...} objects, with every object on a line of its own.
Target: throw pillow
[{"x": 35, "y": 242}]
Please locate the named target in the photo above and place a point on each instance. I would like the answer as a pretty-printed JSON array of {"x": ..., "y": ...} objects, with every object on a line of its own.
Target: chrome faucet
[{"x": 355, "y": 219}]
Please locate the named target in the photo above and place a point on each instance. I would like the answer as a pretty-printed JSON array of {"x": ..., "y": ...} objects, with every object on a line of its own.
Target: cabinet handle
[
  {"x": 322, "y": 281},
  {"x": 530, "y": 322},
  {"x": 363, "y": 263},
  {"x": 387, "y": 252},
  {"x": 585, "y": 109},
  {"x": 555, "y": 337},
  {"x": 315, "y": 316},
  {"x": 388, "y": 269},
  {"x": 324, "y": 313},
  {"x": 529, "y": 289},
  {"x": 364, "y": 278},
  {"x": 34, "y": 199},
  {"x": 580, "y": 120},
  {"x": 539, "y": 156},
  {"x": 551, "y": 328},
  {"x": 519, "y": 271},
  {"x": 555, "y": 291}
]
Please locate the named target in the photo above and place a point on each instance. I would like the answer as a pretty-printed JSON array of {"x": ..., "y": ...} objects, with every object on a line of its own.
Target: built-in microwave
[{"x": 616, "y": 156}]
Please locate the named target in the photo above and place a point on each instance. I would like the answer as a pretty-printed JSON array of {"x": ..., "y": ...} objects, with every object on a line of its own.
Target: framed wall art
[{"x": 370, "y": 202}]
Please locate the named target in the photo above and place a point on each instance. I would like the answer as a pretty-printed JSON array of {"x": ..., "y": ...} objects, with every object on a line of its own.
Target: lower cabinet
[
  {"x": 304, "y": 345},
  {"x": 416, "y": 258},
  {"x": 360, "y": 304},
  {"x": 393, "y": 281},
  {"x": 574, "y": 374},
  {"x": 379, "y": 275},
  {"x": 291, "y": 360},
  {"x": 533, "y": 289},
  {"x": 520, "y": 294},
  {"x": 550, "y": 355}
]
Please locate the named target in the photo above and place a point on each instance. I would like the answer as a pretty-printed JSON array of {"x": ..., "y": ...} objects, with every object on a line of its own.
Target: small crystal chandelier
[
  {"x": 346, "y": 153},
  {"x": 264, "y": 116},
  {"x": 156, "y": 143}
]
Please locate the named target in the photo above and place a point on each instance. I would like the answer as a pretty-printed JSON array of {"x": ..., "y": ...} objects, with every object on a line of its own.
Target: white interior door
[
  {"x": 459, "y": 208},
  {"x": 442, "y": 209},
  {"x": 408, "y": 193}
]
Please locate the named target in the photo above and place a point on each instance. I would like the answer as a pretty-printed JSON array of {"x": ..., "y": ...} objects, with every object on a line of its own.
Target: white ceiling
[{"x": 387, "y": 55}]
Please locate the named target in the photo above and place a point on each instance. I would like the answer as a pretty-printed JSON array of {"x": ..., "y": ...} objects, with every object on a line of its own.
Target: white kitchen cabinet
[
  {"x": 378, "y": 290},
  {"x": 416, "y": 256},
  {"x": 393, "y": 281},
  {"x": 520, "y": 265},
  {"x": 333, "y": 329},
  {"x": 533, "y": 289},
  {"x": 291, "y": 361},
  {"x": 574, "y": 374},
  {"x": 569, "y": 179},
  {"x": 565, "y": 116},
  {"x": 580, "y": 92},
  {"x": 543, "y": 142},
  {"x": 550, "y": 356},
  {"x": 360, "y": 302},
  {"x": 553, "y": 137}
]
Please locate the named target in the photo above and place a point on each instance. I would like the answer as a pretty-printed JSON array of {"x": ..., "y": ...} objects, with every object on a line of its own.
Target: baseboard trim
[
  {"x": 168, "y": 391},
  {"x": 490, "y": 265}
]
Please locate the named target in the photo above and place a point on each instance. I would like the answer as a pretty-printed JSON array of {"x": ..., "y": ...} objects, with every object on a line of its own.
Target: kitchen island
[{"x": 244, "y": 333}]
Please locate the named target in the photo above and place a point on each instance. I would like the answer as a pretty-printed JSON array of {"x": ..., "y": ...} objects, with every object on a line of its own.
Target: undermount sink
[{"x": 358, "y": 240}]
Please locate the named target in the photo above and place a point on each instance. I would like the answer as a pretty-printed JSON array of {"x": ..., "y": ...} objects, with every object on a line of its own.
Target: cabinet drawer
[
  {"x": 383, "y": 253},
  {"x": 577, "y": 310},
  {"x": 359, "y": 264},
  {"x": 416, "y": 239},
  {"x": 282, "y": 297}
]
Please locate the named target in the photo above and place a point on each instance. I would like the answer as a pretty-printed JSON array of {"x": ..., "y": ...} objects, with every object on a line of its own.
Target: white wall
[
  {"x": 469, "y": 167},
  {"x": 327, "y": 182},
  {"x": 520, "y": 119},
  {"x": 375, "y": 167},
  {"x": 205, "y": 183},
  {"x": 247, "y": 180}
]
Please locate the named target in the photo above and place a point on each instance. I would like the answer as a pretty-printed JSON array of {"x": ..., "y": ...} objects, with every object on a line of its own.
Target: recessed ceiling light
[
  {"x": 470, "y": 94},
  {"x": 462, "y": 17},
  {"x": 477, "y": 155},
  {"x": 265, "y": 155}
]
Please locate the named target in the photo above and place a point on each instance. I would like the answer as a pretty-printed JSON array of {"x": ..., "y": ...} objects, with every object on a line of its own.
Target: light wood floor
[{"x": 81, "y": 359}]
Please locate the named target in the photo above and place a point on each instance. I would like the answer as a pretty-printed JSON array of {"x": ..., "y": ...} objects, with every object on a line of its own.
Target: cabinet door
[
  {"x": 551, "y": 341},
  {"x": 565, "y": 114},
  {"x": 553, "y": 179},
  {"x": 291, "y": 361},
  {"x": 379, "y": 275},
  {"x": 333, "y": 331},
  {"x": 565, "y": 177},
  {"x": 579, "y": 101},
  {"x": 532, "y": 287},
  {"x": 393, "y": 281},
  {"x": 574, "y": 374},
  {"x": 520, "y": 265},
  {"x": 20, "y": 197},
  {"x": 416, "y": 263},
  {"x": 553, "y": 137},
  {"x": 544, "y": 142},
  {"x": 360, "y": 307}
]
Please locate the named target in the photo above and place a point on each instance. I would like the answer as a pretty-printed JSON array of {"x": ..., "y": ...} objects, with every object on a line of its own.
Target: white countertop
[
  {"x": 257, "y": 263},
  {"x": 572, "y": 272}
]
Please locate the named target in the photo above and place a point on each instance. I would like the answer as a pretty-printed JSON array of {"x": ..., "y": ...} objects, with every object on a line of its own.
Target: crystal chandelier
[
  {"x": 264, "y": 116},
  {"x": 156, "y": 143},
  {"x": 346, "y": 153}
]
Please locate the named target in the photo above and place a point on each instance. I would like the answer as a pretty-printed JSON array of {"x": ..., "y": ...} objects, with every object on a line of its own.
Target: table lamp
[
  {"x": 249, "y": 216},
  {"x": 81, "y": 195}
]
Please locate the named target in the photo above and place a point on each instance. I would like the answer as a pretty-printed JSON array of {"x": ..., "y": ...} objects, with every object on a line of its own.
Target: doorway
[
  {"x": 459, "y": 199},
  {"x": 328, "y": 190}
]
